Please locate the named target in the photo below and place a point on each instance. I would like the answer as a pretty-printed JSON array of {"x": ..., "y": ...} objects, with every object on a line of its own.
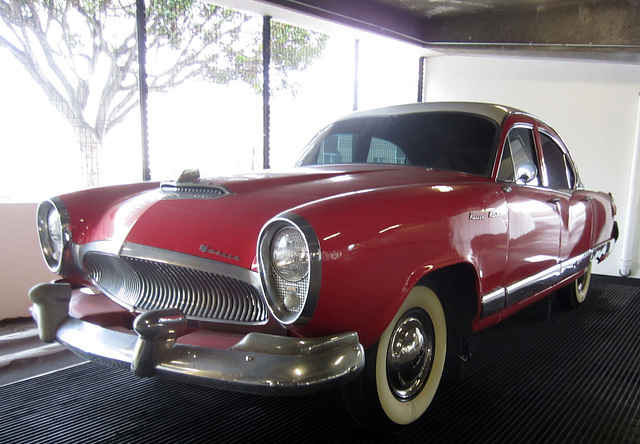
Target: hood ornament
[
  {"x": 188, "y": 176},
  {"x": 188, "y": 186}
]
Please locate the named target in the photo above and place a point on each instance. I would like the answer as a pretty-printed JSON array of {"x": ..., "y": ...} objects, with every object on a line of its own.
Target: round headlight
[
  {"x": 51, "y": 234},
  {"x": 55, "y": 234},
  {"x": 290, "y": 268},
  {"x": 290, "y": 255}
]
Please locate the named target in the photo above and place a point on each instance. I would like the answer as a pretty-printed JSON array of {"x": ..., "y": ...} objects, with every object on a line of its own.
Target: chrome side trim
[
  {"x": 493, "y": 302},
  {"x": 259, "y": 363},
  {"x": 601, "y": 252},
  {"x": 576, "y": 264},
  {"x": 520, "y": 291},
  {"x": 497, "y": 300}
]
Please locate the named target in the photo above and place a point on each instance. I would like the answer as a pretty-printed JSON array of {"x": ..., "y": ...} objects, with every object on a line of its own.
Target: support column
[
  {"x": 629, "y": 228},
  {"x": 141, "y": 37},
  {"x": 356, "y": 66},
  {"x": 266, "y": 92}
]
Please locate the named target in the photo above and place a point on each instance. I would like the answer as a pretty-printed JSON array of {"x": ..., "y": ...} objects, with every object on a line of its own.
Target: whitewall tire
[
  {"x": 574, "y": 294},
  {"x": 403, "y": 370}
]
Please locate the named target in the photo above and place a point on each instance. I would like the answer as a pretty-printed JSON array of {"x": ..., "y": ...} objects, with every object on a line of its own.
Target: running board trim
[{"x": 504, "y": 297}]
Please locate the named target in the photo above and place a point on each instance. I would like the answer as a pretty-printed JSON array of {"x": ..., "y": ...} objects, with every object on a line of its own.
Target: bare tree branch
[{"x": 82, "y": 54}]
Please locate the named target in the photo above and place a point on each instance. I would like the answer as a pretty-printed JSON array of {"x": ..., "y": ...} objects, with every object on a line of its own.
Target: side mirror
[{"x": 526, "y": 173}]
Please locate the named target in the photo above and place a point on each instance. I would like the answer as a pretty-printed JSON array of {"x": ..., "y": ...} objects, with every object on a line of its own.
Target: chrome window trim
[
  {"x": 567, "y": 158},
  {"x": 567, "y": 193},
  {"x": 576, "y": 176},
  {"x": 517, "y": 125}
]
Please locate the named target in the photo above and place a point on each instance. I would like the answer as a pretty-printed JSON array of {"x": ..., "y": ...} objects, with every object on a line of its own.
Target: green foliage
[{"x": 226, "y": 45}]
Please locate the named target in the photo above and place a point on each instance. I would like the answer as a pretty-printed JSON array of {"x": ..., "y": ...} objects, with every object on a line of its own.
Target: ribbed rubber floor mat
[{"x": 574, "y": 378}]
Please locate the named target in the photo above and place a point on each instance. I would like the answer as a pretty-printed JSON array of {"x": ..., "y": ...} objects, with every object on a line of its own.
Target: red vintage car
[{"x": 400, "y": 232}]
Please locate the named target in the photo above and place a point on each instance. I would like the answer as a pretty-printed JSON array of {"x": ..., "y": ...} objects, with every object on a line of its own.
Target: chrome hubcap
[
  {"x": 410, "y": 355},
  {"x": 580, "y": 284}
]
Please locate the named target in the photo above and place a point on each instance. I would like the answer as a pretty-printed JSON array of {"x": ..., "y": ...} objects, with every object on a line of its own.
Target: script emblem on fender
[
  {"x": 484, "y": 214},
  {"x": 205, "y": 249}
]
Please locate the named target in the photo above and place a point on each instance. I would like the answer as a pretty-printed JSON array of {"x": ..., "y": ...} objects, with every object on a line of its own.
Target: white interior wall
[
  {"x": 21, "y": 263},
  {"x": 594, "y": 107}
]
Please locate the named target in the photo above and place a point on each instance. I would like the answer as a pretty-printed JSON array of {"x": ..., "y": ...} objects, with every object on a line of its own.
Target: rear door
[{"x": 574, "y": 206}]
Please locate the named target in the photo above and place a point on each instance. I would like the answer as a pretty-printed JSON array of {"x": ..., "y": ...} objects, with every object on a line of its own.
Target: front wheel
[
  {"x": 403, "y": 369},
  {"x": 575, "y": 293}
]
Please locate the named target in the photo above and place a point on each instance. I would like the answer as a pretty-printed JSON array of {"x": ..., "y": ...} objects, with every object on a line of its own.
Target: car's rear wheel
[
  {"x": 575, "y": 293},
  {"x": 403, "y": 369}
]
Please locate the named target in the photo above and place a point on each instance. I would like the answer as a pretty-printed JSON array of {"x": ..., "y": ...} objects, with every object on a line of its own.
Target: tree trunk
[{"x": 90, "y": 153}]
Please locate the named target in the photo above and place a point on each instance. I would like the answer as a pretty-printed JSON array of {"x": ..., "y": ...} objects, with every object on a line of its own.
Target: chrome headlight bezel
[
  {"x": 291, "y": 297},
  {"x": 53, "y": 232}
]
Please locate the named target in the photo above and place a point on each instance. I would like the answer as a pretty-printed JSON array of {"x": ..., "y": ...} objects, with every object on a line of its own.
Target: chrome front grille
[{"x": 148, "y": 285}]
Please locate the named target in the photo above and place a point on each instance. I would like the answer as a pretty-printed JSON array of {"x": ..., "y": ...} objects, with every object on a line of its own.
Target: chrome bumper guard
[{"x": 259, "y": 363}]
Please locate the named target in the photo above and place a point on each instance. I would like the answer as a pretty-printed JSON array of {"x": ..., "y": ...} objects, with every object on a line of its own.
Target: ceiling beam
[
  {"x": 365, "y": 15},
  {"x": 602, "y": 30},
  {"x": 605, "y": 24}
]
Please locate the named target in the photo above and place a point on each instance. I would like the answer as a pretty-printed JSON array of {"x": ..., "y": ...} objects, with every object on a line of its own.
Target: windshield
[{"x": 440, "y": 140}]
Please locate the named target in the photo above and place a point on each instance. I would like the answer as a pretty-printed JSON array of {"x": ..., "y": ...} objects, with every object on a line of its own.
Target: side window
[
  {"x": 383, "y": 151},
  {"x": 519, "y": 162},
  {"x": 337, "y": 148},
  {"x": 560, "y": 175}
]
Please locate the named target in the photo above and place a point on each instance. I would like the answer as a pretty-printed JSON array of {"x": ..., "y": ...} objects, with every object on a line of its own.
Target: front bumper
[{"x": 259, "y": 363}]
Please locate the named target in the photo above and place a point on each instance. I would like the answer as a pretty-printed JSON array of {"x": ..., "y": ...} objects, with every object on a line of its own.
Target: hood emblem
[{"x": 205, "y": 249}]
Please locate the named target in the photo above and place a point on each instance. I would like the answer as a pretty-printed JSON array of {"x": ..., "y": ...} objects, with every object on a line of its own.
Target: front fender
[{"x": 377, "y": 245}]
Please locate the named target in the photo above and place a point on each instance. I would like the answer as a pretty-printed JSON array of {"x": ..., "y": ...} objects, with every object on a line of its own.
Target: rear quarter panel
[{"x": 603, "y": 212}]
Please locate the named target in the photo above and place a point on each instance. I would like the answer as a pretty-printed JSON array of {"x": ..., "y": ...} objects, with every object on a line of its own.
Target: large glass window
[
  {"x": 79, "y": 123},
  {"x": 324, "y": 92},
  {"x": 205, "y": 107},
  {"x": 439, "y": 140},
  {"x": 67, "y": 95},
  {"x": 519, "y": 161},
  {"x": 560, "y": 175}
]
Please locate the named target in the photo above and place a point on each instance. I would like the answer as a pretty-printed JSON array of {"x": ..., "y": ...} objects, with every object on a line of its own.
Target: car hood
[{"x": 221, "y": 218}]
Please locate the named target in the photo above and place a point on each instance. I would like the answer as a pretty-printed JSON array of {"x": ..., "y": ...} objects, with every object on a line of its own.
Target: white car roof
[{"x": 497, "y": 113}]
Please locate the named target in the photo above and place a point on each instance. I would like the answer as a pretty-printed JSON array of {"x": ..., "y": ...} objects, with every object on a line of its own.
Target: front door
[{"x": 534, "y": 219}]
